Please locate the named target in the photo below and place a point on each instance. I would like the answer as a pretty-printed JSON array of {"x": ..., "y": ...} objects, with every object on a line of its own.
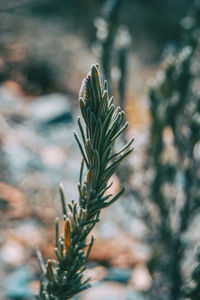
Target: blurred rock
[
  {"x": 29, "y": 232},
  {"x": 20, "y": 159},
  {"x": 96, "y": 273},
  {"x": 53, "y": 156},
  {"x": 51, "y": 109},
  {"x": 13, "y": 202},
  {"x": 105, "y": 291},
  {"x": 108, "y": 291},
  {"x": 13, "y": 87},
  {"x": 122, "y": 251},
  {"x": 141, "y": 278},
  {"x": 10, "y": 96},
  {"x": 118, "y": 275},
  {"x": 13, "y": 253},
  {"x": 17, "y": 284},
  {"x": 108, "y": 229},
  {"x": 137, "y": 227}
]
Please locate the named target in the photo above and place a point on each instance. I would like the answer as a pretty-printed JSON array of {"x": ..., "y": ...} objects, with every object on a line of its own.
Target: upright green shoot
[{"x": 63, "y": 278}]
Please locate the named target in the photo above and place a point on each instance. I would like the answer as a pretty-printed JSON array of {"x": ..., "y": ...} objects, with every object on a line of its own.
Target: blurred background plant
[
  {"x": 173, "y": 161},
  {"x": 45, "y": 49},
  {"x": 192, "y": 288}
]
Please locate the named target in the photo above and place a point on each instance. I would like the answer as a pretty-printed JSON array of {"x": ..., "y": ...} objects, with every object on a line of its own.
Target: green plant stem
[{"x": 63, "y": 278}]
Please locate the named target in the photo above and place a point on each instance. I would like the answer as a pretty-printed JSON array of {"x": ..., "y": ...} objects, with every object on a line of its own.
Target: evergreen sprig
[{"x": 63, "y": 278}]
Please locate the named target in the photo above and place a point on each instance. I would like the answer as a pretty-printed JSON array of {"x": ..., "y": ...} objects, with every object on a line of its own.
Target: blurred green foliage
[{"x": 175, "y": 140}]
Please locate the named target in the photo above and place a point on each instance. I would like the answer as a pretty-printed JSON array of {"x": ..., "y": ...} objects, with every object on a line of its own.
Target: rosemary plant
[
  {"x": 123, "y": 46},
  {"x": 63, "y": 278},
  {"x": 172, "y": 222},
  {"x": 112, "y": 11},
  {"x": 175, "y": 185}
]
